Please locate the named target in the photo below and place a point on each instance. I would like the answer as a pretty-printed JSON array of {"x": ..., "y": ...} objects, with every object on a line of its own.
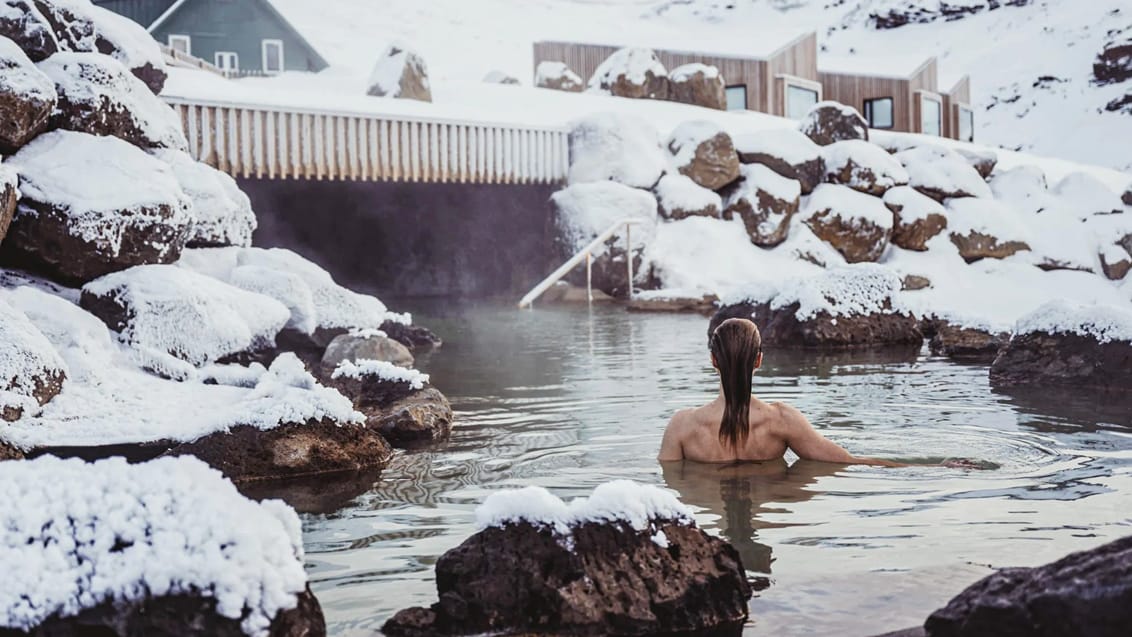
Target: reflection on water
[{"x": 568, "y": 399}]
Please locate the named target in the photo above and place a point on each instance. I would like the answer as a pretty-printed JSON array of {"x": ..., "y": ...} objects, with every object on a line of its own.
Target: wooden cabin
[
  {"x": 888, "y": 96},
  {"x": 959, "y": 117},
  {"x": 781, "y": 80},
  {"x": 241, "y": 37}
]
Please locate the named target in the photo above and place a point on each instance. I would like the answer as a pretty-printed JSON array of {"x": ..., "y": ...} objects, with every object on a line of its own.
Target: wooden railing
[
  {"x": 173, "y": 57},
  {"x": 281, "y": 143}
]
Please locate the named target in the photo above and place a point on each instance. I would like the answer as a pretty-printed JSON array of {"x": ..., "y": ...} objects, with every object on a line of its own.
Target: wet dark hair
[
  {"x": 738, "y": 310},
  {"x": 736, "y": 345}
]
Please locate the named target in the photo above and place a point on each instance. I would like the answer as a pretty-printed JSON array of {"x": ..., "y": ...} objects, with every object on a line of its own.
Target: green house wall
[{"x": 144, "y": 12}]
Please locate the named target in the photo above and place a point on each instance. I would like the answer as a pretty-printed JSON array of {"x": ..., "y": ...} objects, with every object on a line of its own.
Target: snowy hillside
[{"x": 1030, "y": 61}]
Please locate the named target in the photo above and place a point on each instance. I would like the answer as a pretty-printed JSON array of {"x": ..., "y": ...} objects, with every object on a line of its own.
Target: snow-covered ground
[{"x": 1005, "y": 51}]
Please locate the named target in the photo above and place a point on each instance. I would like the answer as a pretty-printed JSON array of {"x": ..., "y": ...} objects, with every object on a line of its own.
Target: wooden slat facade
[
  {"x": 953, "y": 100},
  {"x": 266, "y": 142}
]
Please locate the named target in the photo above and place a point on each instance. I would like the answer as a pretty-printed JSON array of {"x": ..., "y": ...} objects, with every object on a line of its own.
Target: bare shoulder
[
  {"x": 683, "y": 419},
  {"x": 787, "y": 416}
]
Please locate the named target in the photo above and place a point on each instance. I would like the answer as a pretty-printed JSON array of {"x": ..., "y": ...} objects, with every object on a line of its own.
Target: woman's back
[{"x": 698, "y": 433}]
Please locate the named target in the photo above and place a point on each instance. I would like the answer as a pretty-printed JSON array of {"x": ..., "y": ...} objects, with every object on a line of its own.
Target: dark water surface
[{"x": 568, "y": 399}]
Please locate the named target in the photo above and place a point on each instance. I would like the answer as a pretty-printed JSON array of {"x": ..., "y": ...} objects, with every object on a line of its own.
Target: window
[
  {"x": 878, "y": 112},
  {"x": 272, "y": 56},
  {"x": 966, "y": 124},
  {"x": 181, "y": 44},
  {"x": 799, "y": 100},
  {"x": 931, "y": 112},
  {"x": 737, "y": 97},
  {"x": 227, "y": 61}
]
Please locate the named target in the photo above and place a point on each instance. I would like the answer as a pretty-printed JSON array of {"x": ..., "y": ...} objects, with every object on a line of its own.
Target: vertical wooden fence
[{"x": 273, "y": 143}]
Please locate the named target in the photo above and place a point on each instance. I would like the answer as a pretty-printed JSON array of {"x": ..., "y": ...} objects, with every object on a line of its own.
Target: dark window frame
[{"x": 868, "y": 112}]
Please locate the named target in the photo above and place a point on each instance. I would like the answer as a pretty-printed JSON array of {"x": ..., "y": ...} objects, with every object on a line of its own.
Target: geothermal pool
[{"x": 570, "y": 398}]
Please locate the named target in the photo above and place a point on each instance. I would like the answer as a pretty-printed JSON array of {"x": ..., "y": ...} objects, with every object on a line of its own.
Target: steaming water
[{"x": 568, "y": 399}]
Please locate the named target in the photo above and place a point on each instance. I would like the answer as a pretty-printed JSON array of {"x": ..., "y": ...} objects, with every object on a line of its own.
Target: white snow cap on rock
[
  {"x": 848, "y": 204},
  {"x": 133, "y": 45},
  {"x": 390, "y": 66},
  {"x": 1104, "y": 323},
  {"x": 685, "y": 71},
  {"x": 986, "y": 216},
  {"x": 221, "y": 212},
  {"x": 25, "y": 356},
  {"x": 638, "y": 505},
  {"x": 942, "y": 169},
  {"x": 631, "y": 62},
  {"x": 556, "y": 72},
  {"x": 851, "y": 290},
  {"x": 887, "y": 171},
  {"x": 759, "y": 177},
  {"x": 78, "y": 535},
  {"x": 788, "y": 144},
  {"x": 586, "y": 210},
  {"x": 382, "y": 369},
  {"x": 1023, "y": 187},
  {"x": 686, "y": 137},
  {"x": 1083, "y": 195},
  {"x": 913, "y": 205},
  {"x": 616, "y": 147},
  {"x": 678, "y": 192},
  {"x": 21, "y": 77}
]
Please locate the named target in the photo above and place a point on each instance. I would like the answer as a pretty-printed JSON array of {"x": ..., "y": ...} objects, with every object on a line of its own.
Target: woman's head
[{"x": 736, "y": 351}]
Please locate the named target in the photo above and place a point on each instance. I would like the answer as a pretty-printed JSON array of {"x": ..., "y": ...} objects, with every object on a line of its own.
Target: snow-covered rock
[
  {"x": 857, "y": 225},
  {"x": 862, "y": 166},
  {"x": 765, "y": 201},
  {"x": 828, "y": 122},
  {"x": 396, "y": 401},
  {"x": 698, "y": 84},
  {"x": 983, "y": 228},
  {"x": 616, "y": 147},
  {"x": 941, "y": 173},
  {"x": 1116, "y": 261},
  {"x": 98, "y": 95},
  {"x": 92, "y": 205},
  {"x": 917, "y": 218},
  {"x": 982, "y": 160},
  {"x": 26, "y": 97},
  {"x": 400, "y": 72},
  {"x": 631, "y": 72},
  {"x": 365, "y": 345},
  {"x": 499, "y": 77},
  {"x": 704, "y": 151},
  {"x": 679, "y": 196},
  {"x": 164, "y": 547},
  {"x": 558, "y": 76},
  {"x": 1085, "y": 195},
  {"x": 31, "y": 371},
  {"x": 221, "y": 213},
  {"x": 9, "y": 196},
  {"x": 1023, "y": 187},
  {"x": 21, "y": 22},
  {"x": 174, "y": 318},
  {"x": 785, "y": 151}
]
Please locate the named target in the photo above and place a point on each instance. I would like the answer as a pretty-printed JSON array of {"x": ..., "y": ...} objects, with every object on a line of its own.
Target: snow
[
  {"x": 863, "y": 288},
  {"x": 640, "y": 506},
  {"x": 756, "y": 177},
  {"x": 610, "y": 146},
  {"x": 913, "y": 205},
  {"x": 21, "y": 77},
  {"x": 686, "y": 71},
  {"x": 968, "y": 214},
  {"x": 631, "y": 63},
  {"x": 132, "y": 45},
  {"x": 499, "y": 77},
  {"x": 1023, "y": 187},
  {"x": 1105, "y": 323},
  {"x": 102, "y": 184},
  {"x": 1087, "y": 195},
  {"x": 221, "y": 212},
  {"x": 678, "y": 192},
  {"x": 887, "y": 66},
  {"x": 286, "y": 287},
  {"x": 684, "y": 140},
  {"x": 78, "y": 535},
  {"x": 381, "y": 369},
  {"x": 787, "y": 144},
  {"x": 886, "y": 171},
  {"x": 586, "y": 210},
  {"x": 177, "y": 316},
  {"x": 9, "y": 179},
  {"x": 547, "y": 72},
  {"x": 848, "y": 204},
  {"x": 97, "y": 82},
  {"x": 942, "y": 169},
  {"x": 385, "y": 79},
  {"x": 25, "y": 357}
]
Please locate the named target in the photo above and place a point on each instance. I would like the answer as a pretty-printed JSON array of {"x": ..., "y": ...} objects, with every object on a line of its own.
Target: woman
[{"x": 737, "y": 426}]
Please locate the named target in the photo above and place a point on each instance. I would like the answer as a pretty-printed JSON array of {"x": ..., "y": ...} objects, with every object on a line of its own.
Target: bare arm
[
  {"x": 670, "y": 447},
  {"x": 805, "y": 441}
]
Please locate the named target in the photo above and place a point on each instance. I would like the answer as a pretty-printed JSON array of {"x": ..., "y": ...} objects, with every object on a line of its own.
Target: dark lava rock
[
  {"x": 351, "y": 347},
  {"x": 916, "y": 218},
  {"x": 1083, "y": 594},
  {"x": 317, "y": 495},
  {"x": 415, "y": 337},
  {"x": 829, "y": 122},
  {"x": 982, "y": 161},
  {"x": 9, "y": 196},
  {"x": 615, "y": 581},
  {"x": 712, "y": 161},
  {"x": 27, "y": 97},
  {"x": 781, "y": 328},
  {"x": 1127, "y": 196},
  {"x": 420, "y": 418},
  {"x": 1040, "y": 358},
  {"x": 787, "y": 152},
  {"x": 175, "y": 616},
  {"x": 975, "y": 245},
  {"x": 23, "y": 24},
  {"x": 966, "y": 343},
  {"x": 1114, "y": 62},
  {"x": 912, "y": 282},
  {"x": 8, "y": 452},
  {"x": 620, "y": 75},
  {"x": 247, "y": 453},
  {"x": 765, "y": 201},
  {"x": 699, "y": 85}
]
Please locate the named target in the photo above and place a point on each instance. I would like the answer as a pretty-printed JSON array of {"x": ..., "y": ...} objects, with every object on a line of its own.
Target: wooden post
[{"x": 629, "y": 258}]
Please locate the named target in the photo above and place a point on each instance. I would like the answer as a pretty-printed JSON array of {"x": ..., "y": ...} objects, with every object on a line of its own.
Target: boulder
[
  {"x": 985, "y": 229},
  {"x": 862, "y": 166},
  {"x": 631, "y": 72},
  {"x": 829, "y": 122},
  {"x": 98, "y": 95},
  {"x": 221, "y": 213},
  {"x": 593, "y": 568},
  {"x": 1023, "y": 187},
  {"x": 422, "y": 417},
  {"x": 93, "y": 205},
  {"x": 27, "y": 97},
  {"x": 941, "y": 173},
  {"x": 1114, "y": 63},
  {"x": 415, "y": 337},
  {"x": 968, "y": 344},
  {"x": 9, "y": 197},
  {"x": 400, "y": 73},
  {"x": 8, "y": 452},
  {"x": 916, "y": 218},
  {"x": 785, "y": 151},
  {"x": 31, "y": 370},
  {"x": 1085, "y": 195},
  {"x": 679, "y": 197},
  {"x": 397, "y": 402},
  {"x": 558, "y": 76},
  {"x": 126, "y": 41},
  {"x": 1083, "y": 593},
  {"x": 913, "y": 282},
  {"x": 703, "y": 304},
  {"x": 982, "y": 160},
  {"x": 499, "y": 77},
  {"x": 704, "y": 152},
  {"x": 583, "y": 211},
  {"x": 765, "y": 201},
  {"x": 1116, "y": 261},
  {"x": 1065, "y": 345},
  {"x": 856, "y": 225},
  {"x": 365, "y": 345},
  {"x": 616, "y": 147},
  {"x": 176, "y": 319},
  {"x": 697, "y": 84},
  {"x": 22, "y": 23}
]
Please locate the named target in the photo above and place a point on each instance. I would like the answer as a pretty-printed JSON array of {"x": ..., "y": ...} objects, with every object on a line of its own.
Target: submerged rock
[
  {"x": 1084, "y": 593},
  {"x": 966, "y": 343},
  {"x": 395, "y": 401},
  {"x": 422, "y": 417},
  {"x": 829, "y": 122}
]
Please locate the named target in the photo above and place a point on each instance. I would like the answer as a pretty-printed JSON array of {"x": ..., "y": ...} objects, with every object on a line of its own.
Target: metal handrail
[{"x": 587, "y": 254}]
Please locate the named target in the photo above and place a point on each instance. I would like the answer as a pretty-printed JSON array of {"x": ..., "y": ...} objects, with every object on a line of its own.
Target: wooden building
[
  {"x": 782, "y": 79},
  {"x": 959, "y": 117},
  {"x": 241, "y": 37},
  {"x": 889, "y": 97}
]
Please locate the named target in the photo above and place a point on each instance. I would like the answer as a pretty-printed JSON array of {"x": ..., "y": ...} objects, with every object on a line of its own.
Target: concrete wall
[{"x": 411, "y": 239}]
